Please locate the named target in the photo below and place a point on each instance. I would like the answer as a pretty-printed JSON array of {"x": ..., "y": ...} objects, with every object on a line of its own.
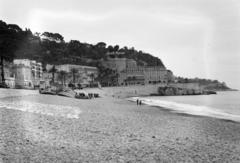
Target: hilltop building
[
  {"x": 119, "y": 64},
  {"x": 129, "y": 73},
  {"x": 145, "y": 75}
]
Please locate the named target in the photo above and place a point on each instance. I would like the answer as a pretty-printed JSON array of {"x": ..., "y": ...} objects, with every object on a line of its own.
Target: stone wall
[
  {"x": 130, "y": 91},
  {"x": 194, "y": 86}
]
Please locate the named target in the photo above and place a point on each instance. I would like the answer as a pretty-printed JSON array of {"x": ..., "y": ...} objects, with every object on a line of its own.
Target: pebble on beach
[{"x": 110, "y": 130}]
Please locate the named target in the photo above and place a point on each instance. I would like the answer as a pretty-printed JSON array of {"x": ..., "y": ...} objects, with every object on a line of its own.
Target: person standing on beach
[
  {"x": 140, "y": 102},
  {"x": 137, "y": 101}
]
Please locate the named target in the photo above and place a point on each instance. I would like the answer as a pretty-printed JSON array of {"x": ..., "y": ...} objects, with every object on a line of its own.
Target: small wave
[
  {"x": 189, "y": 109},
  {"x": 40, "y": 108},
  {"x": 16, "y": 92}
]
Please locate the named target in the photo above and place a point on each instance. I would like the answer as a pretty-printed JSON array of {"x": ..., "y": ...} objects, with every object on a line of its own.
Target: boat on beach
[
  {"x": 49, "y": 88},
  {"x": 57, "y": 89},
  {"x": 67, "y": 93}
]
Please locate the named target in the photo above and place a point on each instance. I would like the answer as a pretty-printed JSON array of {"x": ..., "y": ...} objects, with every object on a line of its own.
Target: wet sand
[{"x": 109, "y": 129}]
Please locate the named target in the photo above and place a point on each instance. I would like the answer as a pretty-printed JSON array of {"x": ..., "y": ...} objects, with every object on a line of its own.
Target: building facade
[
  {"x": 154, "y": 75},
  {"x": 144, "y": 75},
  {"x": 119, "y": 64},
  {"x": 28, "y": 73},
  {"x": 131, "y": 76},
  {"x": 23, "y": 76},
  {"x": 129, "y": 73},
  {"x": 37, "y": 72},
  {"x": 72, "y": 74}
]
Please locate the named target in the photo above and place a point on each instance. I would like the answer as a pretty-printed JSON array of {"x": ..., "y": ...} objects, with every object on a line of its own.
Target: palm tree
[
  {"x": 2, "y": 70},
  {"x": 53, "y": 70},
  {"x": 62, "y": 76},
  {"x": 92, "y": 76},
  {"x": 74, "y": 71}
]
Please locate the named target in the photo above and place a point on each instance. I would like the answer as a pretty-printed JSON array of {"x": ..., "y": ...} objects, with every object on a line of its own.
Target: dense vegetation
[
  {"x": 51, "y": 48},
  {"x": 208, "y": 84}
]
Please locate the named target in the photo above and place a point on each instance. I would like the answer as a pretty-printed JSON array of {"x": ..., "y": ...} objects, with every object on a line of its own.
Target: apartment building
[
  {"x": 119, "y": 64},
  {"x": 144, "y": 75},
  {"x": 129, "y": 73},
  {"x": 23, "y": 76},
  {"x": 28, "y": 73}
]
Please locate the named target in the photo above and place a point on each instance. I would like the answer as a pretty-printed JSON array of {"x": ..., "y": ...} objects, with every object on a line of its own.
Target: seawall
[
  {"x": 147, "y": 90},
  {"x": 128, "y": 91}
]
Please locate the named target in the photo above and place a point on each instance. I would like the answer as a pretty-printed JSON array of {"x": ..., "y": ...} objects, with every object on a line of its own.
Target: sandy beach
[{"x": 46, "y": 128}]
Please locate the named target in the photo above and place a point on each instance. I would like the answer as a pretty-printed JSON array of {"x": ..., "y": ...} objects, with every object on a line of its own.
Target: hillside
[
  {"x": 207, "y": 84},
  {"x": 51, "y": 48}
]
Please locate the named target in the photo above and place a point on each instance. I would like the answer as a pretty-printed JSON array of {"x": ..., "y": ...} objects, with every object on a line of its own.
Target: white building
[
  {"x": 144, "y": 75},
  {"x": 28, "y": 73},
  {"x": 129, "y": 73},
  {"x": 23, "y": 77}
]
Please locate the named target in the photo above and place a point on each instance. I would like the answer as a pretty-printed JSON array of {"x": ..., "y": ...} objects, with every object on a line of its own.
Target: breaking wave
[
  {"x": 16, "y": 92},
  {"x": 190, "y": 109},
  {"x": 40, "y": 108}
]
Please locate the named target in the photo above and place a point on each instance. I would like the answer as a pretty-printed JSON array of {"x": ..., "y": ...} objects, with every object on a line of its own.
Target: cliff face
[
  {"x": 205, "y": 84},
  {"x": 216, "y": 87},
  {"x": 173, "y": 91},
  {"x": 182, "y": 89}
]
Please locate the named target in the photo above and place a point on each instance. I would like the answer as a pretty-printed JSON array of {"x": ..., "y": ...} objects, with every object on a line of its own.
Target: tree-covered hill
[
  {"x": 51, "y": 48},
  {"x": 207, "y": 84}
]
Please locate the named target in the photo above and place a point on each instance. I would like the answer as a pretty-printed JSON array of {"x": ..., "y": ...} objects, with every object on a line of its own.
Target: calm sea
[{"x": 224, "y": 105}]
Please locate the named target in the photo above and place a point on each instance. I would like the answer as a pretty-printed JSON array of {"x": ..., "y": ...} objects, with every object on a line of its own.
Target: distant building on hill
[
  {"x": 119, "y": 64},
  {"x": 145, "y": 75},
  {"x": 129, "y": 73}
]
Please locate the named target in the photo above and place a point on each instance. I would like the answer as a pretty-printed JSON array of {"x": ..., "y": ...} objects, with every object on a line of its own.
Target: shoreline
[
  {"x": 113, "y": 130},
  {"x": 184, "y": 108}
]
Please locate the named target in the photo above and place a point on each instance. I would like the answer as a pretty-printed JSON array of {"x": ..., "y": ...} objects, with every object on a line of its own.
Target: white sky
[{"x": 194, "y": 38}]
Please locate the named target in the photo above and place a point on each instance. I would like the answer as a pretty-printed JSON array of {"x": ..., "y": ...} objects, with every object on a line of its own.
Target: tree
[
  {"x": 110, "y": 48},
  {"x": 29, "y": 47},
  {"x": 62, "y": 76},
  {"x": 92, "y": 76},
  {"x": 53, "y": 47},
  {"x": 10, "y": 37},
  {"x": 107, "y": 76},
  {"x": 116, "y": 48},
  {"x": 101, "y": 45},
  {"x": 74, "y": 71},
  {"x": 53, "y": 70},
  {"x": 56, "y": 37}
]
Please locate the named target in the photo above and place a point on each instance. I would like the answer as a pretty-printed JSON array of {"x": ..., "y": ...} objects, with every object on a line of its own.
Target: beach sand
[{"x": 110, "y": 129}]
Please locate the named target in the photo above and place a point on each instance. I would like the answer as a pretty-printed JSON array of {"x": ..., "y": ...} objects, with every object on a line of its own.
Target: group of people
[{"x": 139, "y": 102}]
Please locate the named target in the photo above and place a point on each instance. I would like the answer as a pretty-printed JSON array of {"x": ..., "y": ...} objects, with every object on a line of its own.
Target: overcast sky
[{"x": 194, "y": 38}]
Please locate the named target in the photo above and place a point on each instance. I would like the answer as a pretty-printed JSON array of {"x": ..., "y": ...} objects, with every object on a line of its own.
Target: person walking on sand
[
  {"x": 140, "y": 102},
  {"x": 137, "y": 101}
]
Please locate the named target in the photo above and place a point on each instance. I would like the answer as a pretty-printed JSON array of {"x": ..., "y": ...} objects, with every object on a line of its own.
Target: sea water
[{"x": 224, "y": 105}]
